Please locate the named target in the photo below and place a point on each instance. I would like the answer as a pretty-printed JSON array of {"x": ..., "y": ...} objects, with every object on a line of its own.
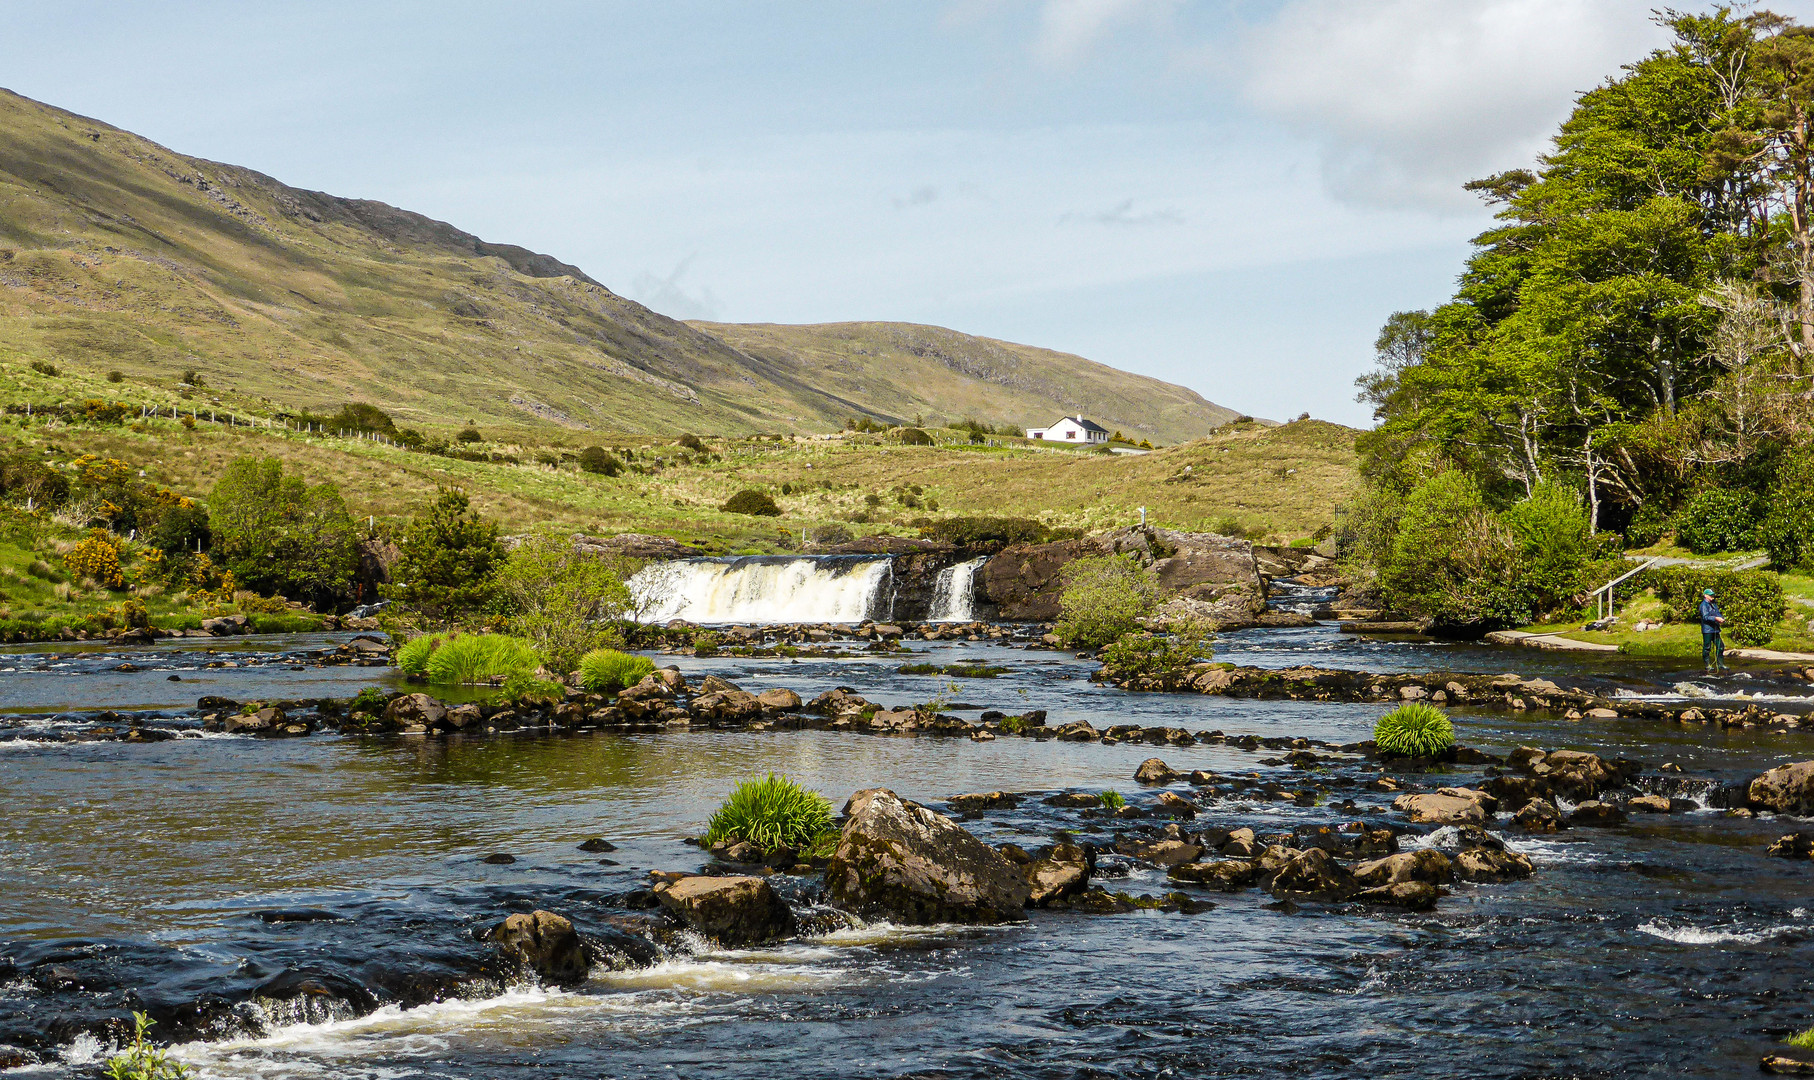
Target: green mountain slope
[
  {"x": 903, "y": 369},
  {"x": 116, "y": 253}
]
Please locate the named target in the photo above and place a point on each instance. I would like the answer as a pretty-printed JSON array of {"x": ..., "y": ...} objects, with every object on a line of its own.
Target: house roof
[{"x": 1085, "y": 424}]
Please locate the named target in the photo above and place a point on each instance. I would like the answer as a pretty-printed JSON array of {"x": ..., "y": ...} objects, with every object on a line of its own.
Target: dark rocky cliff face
[
  {"x": 917, "y": 564},
  {"x": 1204, "y": 575}
]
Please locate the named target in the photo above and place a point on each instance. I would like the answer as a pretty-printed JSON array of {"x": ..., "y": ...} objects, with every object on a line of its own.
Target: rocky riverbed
[{"x": 481, "y": 898}]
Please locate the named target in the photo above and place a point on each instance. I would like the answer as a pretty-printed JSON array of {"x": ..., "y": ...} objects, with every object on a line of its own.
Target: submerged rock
[
  {"x": 544, "y": 943},
  {"x": 1410, "y": 895},
  {"x": 733, "y": 911},
  {"x": 1228, "y": 875},
  {"x": 899, "y": 859},
  {"x": 1595, "y": 813}
]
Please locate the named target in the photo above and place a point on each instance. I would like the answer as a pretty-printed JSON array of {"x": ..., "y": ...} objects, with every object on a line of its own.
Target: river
[{"x": 199, "y": 869}]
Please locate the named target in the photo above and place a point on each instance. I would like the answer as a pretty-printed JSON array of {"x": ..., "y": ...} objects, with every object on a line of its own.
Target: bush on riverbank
[
  {"x": 752, "y": 502},
  {"x": 451, "y": 557},
  {"x": 1717, "y": 519},
  {"x": 276, "y": 534},
  {"x": 1751, "y": 600},
  {"x": 1415, "y": 730},
  {"x": 605, "y": 671},
  {"x": 1787, "y": 530},
  {"x": 772, "y": 812},
  {"x": 1104, "y": 598}
]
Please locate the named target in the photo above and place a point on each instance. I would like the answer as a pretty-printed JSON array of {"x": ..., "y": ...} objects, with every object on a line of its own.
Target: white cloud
[
  {"x": 1068, "y": 29},
  {"x": 1408, "y": 99}
]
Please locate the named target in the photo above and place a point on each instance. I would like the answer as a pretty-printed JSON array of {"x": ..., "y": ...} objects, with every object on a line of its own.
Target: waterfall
[
  {"x": 954, "y": 592},
  {"x": 764, "y": 589}
]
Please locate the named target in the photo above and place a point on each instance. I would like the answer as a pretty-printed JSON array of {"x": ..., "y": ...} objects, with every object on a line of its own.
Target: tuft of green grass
[
  {"x": 1414, "y": 730},
  {"x": 523, "y": 688},
  {"x": 1112, "y": 800},
  {"x": 1803, "y": 1039},
  {"x": 451, "y": 659},
  {"x": 771, "y": 812},
  {"x": 604, "y": 671}
]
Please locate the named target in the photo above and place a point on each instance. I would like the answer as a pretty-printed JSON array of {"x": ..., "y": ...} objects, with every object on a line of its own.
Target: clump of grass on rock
[
  {"x": 772, "y": 812},
  {"x": 1415, "y": 730},
  {"x": 604, "y": 671}
]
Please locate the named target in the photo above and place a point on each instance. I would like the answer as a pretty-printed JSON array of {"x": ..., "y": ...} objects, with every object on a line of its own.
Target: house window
[{"x": 1070, "y": 434}]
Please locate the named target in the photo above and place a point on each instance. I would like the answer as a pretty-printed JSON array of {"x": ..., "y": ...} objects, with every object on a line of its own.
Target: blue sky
[{"x": 1228, "y": 195}]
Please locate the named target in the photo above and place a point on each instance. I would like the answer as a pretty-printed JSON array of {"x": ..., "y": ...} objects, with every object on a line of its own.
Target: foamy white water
[
  {"x": 954, "y": 592},
  {"x": 762, "y": 589}
]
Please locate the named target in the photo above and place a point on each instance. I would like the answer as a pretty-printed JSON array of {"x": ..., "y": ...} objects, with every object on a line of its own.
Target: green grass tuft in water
[
  {"x": 1415, "y": 730},
  {"x": 771, "y": 812},
  {"x": 605, "y": 671}
]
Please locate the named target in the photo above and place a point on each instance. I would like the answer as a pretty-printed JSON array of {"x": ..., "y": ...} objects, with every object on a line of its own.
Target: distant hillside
[
  {"x": 904, "y": 369},
  {"x": 116, "y": 253}
]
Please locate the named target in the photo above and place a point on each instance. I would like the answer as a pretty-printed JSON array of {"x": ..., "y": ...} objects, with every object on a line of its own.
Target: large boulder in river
[
  {"x": 409, "y": 710},
  {"x": 1313, "y": 874},
  {"x": 544, "y": 943},
  {"x": 1442, "y": 809},
  {"x": 733, "y": 911},
  {"x": 1424, "y": 864},
  {"x": 1061, "y": 872},
  {"x": 905, "y": 862},
  {"x": 1786, "y": 789},
  {"x": 1217, "y": 574}
]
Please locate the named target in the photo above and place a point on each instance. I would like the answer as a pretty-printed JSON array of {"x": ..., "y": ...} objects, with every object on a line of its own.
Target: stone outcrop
[
  {"x": 1215, "y": 576},
  {"x": 1313, "y": 875},
  {"x": 736, "y": 912},
  {"x": 1061, "y": 872},
  {"x": 544, "y": 943},
  {"x": 1425, "y": 864},
  {"x": 1447, "y": 807},
  {"x": 1786, "y": 789},
  {"x": 414, "y": 712},
  {"x": 905, "y": 862}
]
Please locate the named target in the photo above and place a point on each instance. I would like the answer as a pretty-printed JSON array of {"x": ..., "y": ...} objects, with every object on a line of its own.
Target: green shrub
[
  {"x": 913, "y": 436},
  {"x": 1144, "y": 654},
  {"x": 43, "y": 367},
  {"x": 772, "y": 812},
  {"x": 115, "y": 376},
  {"x": 1787, "y": 530},
  {"x": 140, "y": 1060},
  {"x": 604, "y": 671},
  {"x": 1414, "y": 730},
  {"x": 451, "y": 557},
  {"x": 752, "y": 502},
  {"x": 598, "y": 460},
  {"x": 1112, "y": 800},
  {"x": 369, "y": 700},
  {"x": 1751, "y": 600},
  {"x": 562, "y": 599},
  {"x": 469, "y": 434},
  {"x": 477, "y": 658},
  {"x": 691, "y": 442},
  {"x": 278, "y": 534},
  {"x": 1649, "y": 524},
  {"x": 1717, "y": 519},
  {"x": 987, "y": 531},
  {"x": 1104, "y": 597}
]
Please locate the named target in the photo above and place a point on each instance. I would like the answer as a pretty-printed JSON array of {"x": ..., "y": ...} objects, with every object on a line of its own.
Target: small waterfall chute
[
  {"x": 954, "y": 592},
  {"x": 764, "y": 589}
]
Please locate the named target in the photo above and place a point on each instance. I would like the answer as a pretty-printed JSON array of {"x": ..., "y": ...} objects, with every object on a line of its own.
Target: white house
[{"x": 1073, "y": 429}]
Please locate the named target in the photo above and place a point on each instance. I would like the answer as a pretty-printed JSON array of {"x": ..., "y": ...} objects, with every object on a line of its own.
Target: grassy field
[
  {"x": 120, "y": 254},
  {"x": 1279, "y": 482},
  {"x": 1682, "y": 641}
]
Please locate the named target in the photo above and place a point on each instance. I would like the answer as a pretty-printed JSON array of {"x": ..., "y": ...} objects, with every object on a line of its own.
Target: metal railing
[{"x": 1603, "y": 596}]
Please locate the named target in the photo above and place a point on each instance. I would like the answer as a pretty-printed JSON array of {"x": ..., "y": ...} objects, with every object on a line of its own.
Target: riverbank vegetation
[{"x": 1628, "y": 356}]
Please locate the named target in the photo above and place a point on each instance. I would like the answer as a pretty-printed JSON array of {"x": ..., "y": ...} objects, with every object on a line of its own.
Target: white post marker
[{"x": 1143, "y": 517}]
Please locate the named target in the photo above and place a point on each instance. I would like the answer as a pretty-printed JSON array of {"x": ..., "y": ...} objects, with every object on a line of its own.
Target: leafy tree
[
  {"x": 275, "y": 533},
  {"x": 562, "y": 599},
  {"x": 756, "y": 503},
  {"x": 451, "y": 556},
  {"x": 596, "y": 459},
  {"x": 1787, "y": 531},
  {"x": 1103, "y": 598}
]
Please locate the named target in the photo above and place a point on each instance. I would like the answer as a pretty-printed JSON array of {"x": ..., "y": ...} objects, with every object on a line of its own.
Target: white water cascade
[
  {"x": 954, "y": 592},
  {"x": 765, "y": 589}
]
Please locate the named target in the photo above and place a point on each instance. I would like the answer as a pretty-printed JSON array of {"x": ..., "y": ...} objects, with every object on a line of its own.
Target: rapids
[{"x": 160, "y": 875}]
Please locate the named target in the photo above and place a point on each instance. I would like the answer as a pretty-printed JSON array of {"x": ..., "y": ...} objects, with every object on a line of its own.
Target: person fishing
[{"x": 1713, "y": 647}]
